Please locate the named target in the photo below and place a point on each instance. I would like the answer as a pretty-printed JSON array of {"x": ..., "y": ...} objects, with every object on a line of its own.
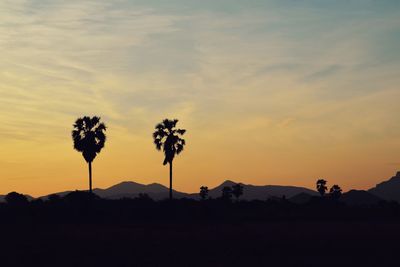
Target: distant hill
[
  {"x": 3, "y": 198},
  {"x": 262, "y": 192},
  {"x": 359, "y": 198},
  {"x": 131, "y": 190},
  {"x": 388, "y": 190},
  {"x": 158, "y": 191}
]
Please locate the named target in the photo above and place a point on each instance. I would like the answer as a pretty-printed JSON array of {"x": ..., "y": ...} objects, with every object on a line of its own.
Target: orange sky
[{"x": 270, "y": 93}]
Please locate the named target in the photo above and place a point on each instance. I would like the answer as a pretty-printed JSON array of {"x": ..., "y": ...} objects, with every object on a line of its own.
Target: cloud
[{"x": 136, "y": 62}]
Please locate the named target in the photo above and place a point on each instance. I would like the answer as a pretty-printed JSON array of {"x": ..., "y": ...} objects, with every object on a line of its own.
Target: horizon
[
  {"x": 193, "y": 192},
  {"x": 270, "y": 92}
]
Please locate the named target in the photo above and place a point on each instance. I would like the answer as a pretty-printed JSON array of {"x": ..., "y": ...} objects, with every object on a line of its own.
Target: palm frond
[
  {"x": 181, "y": 131},
  {"x": 179, "y": 148}
]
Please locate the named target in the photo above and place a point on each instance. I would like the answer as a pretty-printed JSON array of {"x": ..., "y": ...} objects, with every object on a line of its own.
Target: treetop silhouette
[
  {"x": 203, "y": 192},
  {"x": 321, "y": 187},
  {"x": 16, "y": 199},
  {"x": 335, "y": 192}
]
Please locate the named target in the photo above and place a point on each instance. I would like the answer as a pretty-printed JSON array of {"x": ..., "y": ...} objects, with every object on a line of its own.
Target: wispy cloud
[{"x": 288, "y": 75}]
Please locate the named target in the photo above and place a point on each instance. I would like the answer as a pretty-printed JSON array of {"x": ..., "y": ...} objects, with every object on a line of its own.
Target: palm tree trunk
[
  {"x": 170, "y": 180},
  {"x": 90, "y": 177}
]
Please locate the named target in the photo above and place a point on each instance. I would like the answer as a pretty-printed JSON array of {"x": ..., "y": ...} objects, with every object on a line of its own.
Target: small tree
[
  {"x": 335, "y": 192},
  {"x": 321, "y": 187},
  {"x": 237, "y": 191},
  {"x": 203, "y": 192},
  {"x": 227, "y": 193},
  {"x": 16, "y": 199}
]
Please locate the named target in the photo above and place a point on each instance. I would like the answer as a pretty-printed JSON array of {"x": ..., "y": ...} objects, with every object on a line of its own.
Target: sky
[{"x": 270, "y": 92}]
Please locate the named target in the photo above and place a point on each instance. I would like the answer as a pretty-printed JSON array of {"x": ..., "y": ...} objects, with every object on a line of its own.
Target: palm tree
[
  {"x": 336, "y": 192},
  {"x": 237, "y": 191},
  {"x": 321, "y": 187},
  {"x": 168, "y": 138},
  {"x": 203, "y": 192},
  {"x": 89, "y": 138}
]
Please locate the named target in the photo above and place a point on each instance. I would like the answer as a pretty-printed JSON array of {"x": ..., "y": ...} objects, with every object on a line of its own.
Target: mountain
[
  {"x": 388, "y": 190},
  {"x": 158, "y": 191},
  {"x": 131, "y": 190},
  {"x": 263, "y": 192},
  {"x": 359, "y": 198},
  {"x": 3, "y": 198}
]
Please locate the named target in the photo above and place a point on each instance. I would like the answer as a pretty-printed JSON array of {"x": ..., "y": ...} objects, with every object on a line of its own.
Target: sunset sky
[{"x": 270, "y": 92}]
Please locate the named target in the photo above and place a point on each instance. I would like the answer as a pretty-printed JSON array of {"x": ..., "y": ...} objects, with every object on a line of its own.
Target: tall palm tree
[
  {"x": 89, "y": 138},
  {"x": 321, "y": 187},
  {"x": 168, "y": 138}
]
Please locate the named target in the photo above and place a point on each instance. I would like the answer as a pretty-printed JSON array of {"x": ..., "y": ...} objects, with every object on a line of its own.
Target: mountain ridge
[
  {"x": 387, "y": 190},
  {"x": 131, "y": 189}
]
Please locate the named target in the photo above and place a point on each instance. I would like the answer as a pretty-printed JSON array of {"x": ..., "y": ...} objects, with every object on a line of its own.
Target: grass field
[{"x": 298, "y": 243}]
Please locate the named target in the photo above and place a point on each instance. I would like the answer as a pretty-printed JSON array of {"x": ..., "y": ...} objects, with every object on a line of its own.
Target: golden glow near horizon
[{"x": 271, "y": 92}]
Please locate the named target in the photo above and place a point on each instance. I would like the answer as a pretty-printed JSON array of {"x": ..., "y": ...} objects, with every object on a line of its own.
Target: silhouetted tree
[
  {"x": 16, "y": 199},
  {"x": 203, "y": 192},
  {"x": 237, "y": 190},
  {"x": 168, "y": 138},
  {"x": 89, "y": 138},
  {"x": 321, "y": 187},
  {"x": 227, "y": 193},
  {"x": 335, "y": 192}
]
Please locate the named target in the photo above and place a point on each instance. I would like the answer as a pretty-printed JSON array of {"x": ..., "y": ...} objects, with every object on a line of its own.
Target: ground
[{"x": 279, "y": 243}]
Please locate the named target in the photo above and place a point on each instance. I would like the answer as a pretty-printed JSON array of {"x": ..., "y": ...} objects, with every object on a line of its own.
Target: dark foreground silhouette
[{"x": 82, "y": 229}]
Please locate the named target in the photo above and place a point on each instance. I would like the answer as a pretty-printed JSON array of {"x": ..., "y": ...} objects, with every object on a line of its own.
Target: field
[{"x": 273, "y": 243}]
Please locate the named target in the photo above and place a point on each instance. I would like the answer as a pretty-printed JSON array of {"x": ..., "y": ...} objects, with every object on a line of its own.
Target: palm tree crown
[
  {"x": 168, "y": 138},
  {"x": 335, "y": 191},
  {"x": 321, "y": 186},
  {"x": 89, "y": 137}
]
